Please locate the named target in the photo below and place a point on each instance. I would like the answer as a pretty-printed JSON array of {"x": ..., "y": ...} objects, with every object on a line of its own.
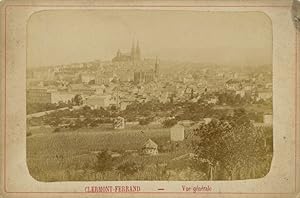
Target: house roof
[
  {"x": 232, "y": 81},
  {"x": 180, "y": 126},
  {"x": 149, "y": 144},
  {"x": 79, "y": 86}
]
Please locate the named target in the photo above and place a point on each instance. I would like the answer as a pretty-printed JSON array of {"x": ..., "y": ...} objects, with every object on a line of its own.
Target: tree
[
  {"x": 53, "y": 121},
  {"x": 77, "y": 124},
  {"x": 57, "y": 129},
  {"x": 229, "y": 150},
  {"x": 145, "y": 121},
  {"x": 77, "y": 100}
]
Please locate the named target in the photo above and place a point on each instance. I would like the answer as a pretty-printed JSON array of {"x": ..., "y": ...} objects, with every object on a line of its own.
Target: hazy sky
[{"x": 66, "y": 36}]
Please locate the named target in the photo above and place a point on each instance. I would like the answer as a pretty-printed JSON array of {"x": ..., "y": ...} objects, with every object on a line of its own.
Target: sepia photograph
[{"x": 149, "y": 95}]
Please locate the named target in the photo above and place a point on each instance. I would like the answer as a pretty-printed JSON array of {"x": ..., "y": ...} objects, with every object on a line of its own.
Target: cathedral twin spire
[
  {"x": 133, "y": 56},
  {"x": 135, "y": 52}
]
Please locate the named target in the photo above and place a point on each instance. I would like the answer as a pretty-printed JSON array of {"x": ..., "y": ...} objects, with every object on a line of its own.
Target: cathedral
[
  {"x": 140, "y": 71},
  {"x": 133, "y": 56}
]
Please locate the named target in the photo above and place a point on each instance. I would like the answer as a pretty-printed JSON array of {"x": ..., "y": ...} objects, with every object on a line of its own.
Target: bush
[
  {"x": 56, "y": 130},
  {"x": 104, "y": 162},
  {"x": 144, "y": 121},
  {"x": 129, "y": 168},
  {"x": 169, "y": 123}
]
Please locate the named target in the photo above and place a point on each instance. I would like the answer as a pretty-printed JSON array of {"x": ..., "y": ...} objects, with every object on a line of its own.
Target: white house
[
  {"x": 177, "y": 132},
  {"x": 96, "y": 101}
]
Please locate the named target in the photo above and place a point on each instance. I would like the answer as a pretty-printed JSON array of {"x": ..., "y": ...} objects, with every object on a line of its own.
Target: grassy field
[
  {"x": 70, "y": 155},
  {"x": 86, "y": 140}
]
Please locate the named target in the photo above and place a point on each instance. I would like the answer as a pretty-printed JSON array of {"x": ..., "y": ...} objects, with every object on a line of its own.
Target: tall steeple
[
  {"x": 156, "y": 69},
  {"x": 133, "y": 51},
  {"x": 119, "y": 53},
  {"x": 138, "y": 51}
]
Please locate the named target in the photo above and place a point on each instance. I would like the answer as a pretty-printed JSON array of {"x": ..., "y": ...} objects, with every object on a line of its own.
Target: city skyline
[
  {"x": 137, "y": 114},
  {"x": 204, "y": 37}
]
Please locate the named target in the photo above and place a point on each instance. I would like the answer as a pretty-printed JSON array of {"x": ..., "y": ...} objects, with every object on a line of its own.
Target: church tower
[
  {"x": 133, "y": 52},
  {"x": 156, "y": 69},
  {"x": 137, "y": 52},
  {"x": 119, "y": 53}
]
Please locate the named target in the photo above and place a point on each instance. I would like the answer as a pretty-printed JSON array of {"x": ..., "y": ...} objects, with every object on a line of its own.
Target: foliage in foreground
[{"x": 226, "y": 150}]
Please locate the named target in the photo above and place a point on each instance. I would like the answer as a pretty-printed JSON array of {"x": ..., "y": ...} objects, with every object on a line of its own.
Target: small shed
[
  {"x": 207, "y": 120},
  {"x": 119, "y": 123},
  {"x": 177, "y": 132},
  {"x": 150, "y": 148}
]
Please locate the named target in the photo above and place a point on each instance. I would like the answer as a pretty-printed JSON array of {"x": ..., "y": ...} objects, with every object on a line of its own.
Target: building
[
  {"x": 212, "y": 100},
  {"x": 156, "y": 68},
  {"x": 38, "y": 95},
  {"x": 67, "y": 75},
  {"x": 207, "y": 120},
  {"x": 264, "y": 94},
  {"x": 124, "y": 103},
  {"x": 150, "y": 148},
  {"x": 268, "y": 119},
  {"x": 99, "y": 89},
  {"x": 138, "y": 77},
  {"x": 65, "y": 97},
  {"x": 97, "y": 101},
  {"x": 103, "y": 77},
  {"x": 133, "y": 56},
  {"x": 177, "y": 132},
  {"x": 41, "y": 73},
  {"x": 164, "y": 97},
  {"x": 87, "y": 78},
  {"x": 240, "y": 92},
  {"x": 144, "y": 76},
  {"x": 119, "y": 123},
  {"x": 124, "y": 75},
  {"x": 81, "y": 89},
  {"x": 45, "y": 96},
  {"x": 233, "y": 84}
]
